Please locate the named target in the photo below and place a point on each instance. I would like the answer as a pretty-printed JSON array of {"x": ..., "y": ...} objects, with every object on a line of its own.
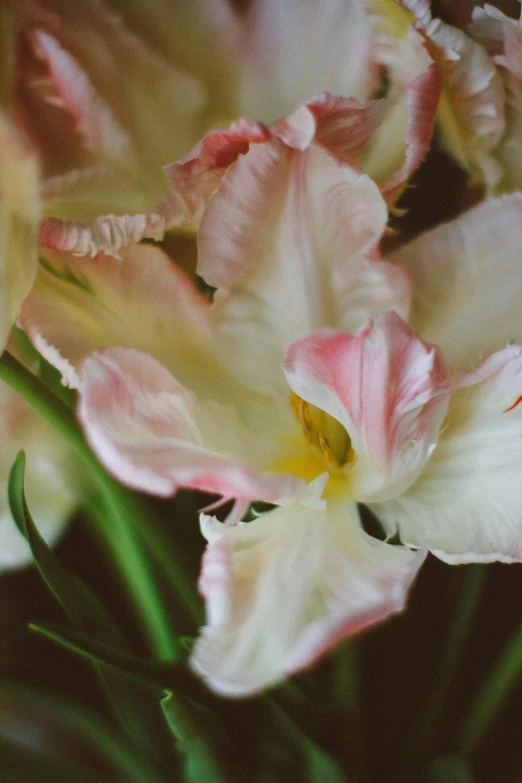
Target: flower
[{"x": 176, "y": 391}]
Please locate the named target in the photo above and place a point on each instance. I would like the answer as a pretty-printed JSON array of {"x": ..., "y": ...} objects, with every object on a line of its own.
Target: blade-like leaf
[
  {"x": 161, "y": 674},
  {"x": 136, "y": 706},
  {"x": 505, "y": 673},
  {"x": 198, "y": 739},
  {"x": 81, "y": 604}
]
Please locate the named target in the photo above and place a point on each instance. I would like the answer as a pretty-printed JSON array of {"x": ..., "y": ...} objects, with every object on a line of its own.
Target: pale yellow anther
[{"x": 323, "y": 431}]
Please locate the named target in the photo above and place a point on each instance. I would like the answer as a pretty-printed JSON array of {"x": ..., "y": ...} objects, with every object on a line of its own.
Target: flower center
[{"x": 324, "y": 432}]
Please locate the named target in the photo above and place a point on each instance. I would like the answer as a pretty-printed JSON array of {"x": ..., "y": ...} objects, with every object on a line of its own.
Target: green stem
[
  {"x": 424, "y": 735},
  {"x": 128, "y": 516},
  {"x": 505, "y": 673}
]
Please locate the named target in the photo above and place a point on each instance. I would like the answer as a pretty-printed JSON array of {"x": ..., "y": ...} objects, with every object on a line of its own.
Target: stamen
[{"x": 323, "y": 431}]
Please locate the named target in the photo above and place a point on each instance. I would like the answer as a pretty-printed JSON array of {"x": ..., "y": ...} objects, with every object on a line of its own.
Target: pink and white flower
[{"x": 302, "y": 385}]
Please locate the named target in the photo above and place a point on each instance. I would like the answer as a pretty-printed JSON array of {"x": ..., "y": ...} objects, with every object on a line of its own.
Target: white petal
[
  {"x": 467, "y": 287},
  {"x": 282, "y": 590},
  {"x": 467, "y": 504}
]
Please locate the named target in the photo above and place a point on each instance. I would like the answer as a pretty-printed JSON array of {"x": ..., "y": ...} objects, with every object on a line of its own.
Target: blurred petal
[
  {"x": 388, "y": 389},
  {"x": 502, "y": 37},
  {"x": 467, "y": 504},
  {"x": 143, "y": 425},
  {"x": 19, "y": 217},
  {"x": 335, "y": 581},
  {"x": 329, "y": 49},
  {"x": 75, "y": 94},
  {"x": 467, "y": 288},
  {"x": 124, "y": 100},
  {"x": 145, "y": 302}
]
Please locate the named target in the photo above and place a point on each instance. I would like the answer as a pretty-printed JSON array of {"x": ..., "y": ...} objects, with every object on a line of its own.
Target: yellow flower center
[{"x": 324, "y": 432}]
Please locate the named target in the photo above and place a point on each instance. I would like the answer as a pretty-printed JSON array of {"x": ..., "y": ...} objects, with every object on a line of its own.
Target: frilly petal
[
  {"x": 466, "y": 506},
  {"x": 284, "y": 589},
  {"x": 402, "y": 141},
  {"x": 471, "y": 113},
  {"x": 388, "y": 389}
]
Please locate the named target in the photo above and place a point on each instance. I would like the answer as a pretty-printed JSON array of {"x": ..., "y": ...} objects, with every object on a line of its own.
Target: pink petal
[
  {"x": 74, "y": 93},
  {"x": 198, "y": 173},
  {"x": 388, "y": 389},
  {"x": 344, "y": 126},
  {"x": 335, "y": 579},
  {"x": 141, "y": 422}
]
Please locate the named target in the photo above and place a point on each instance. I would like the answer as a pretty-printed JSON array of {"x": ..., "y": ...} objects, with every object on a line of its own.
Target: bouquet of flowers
[{"x": 261, "y": 385}]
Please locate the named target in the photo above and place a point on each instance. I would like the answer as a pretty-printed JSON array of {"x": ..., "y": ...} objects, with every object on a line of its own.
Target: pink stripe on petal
[
  {"x": 141, "y": 422},
  {"x": 387, "y": 387}
]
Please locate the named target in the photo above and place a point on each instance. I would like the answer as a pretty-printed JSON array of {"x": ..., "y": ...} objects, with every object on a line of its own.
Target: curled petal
[
  {"x": 502, "y": 37},
  {"x": 198, "y": 173},
  {"x": 342, "y": 125},
  {"x": 388, "y": 389},
  {"x": 108, "y": 234},
  {"x": 142, "y": 424},
  {"x": 466, "y": 281},
  {"x": 421, "y": 102},
  {"x": 402, "y": 140},
  {"x": 345, "y": 126},
  {"x": 471, "y": 112},
  {"x": 466, "y": 506},
  {"x": 336, "y": 580}
]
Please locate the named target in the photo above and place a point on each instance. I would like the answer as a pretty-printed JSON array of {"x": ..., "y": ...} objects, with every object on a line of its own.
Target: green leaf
[
  {"x": 504, "y": 675},
  {"x": 136, "y": 707},
  {"x": 198, "y": 739},
  {"x": 81, "y": 604},
  {"x": 160, "y": 674},
  {"x": 317, "y": 765}
]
